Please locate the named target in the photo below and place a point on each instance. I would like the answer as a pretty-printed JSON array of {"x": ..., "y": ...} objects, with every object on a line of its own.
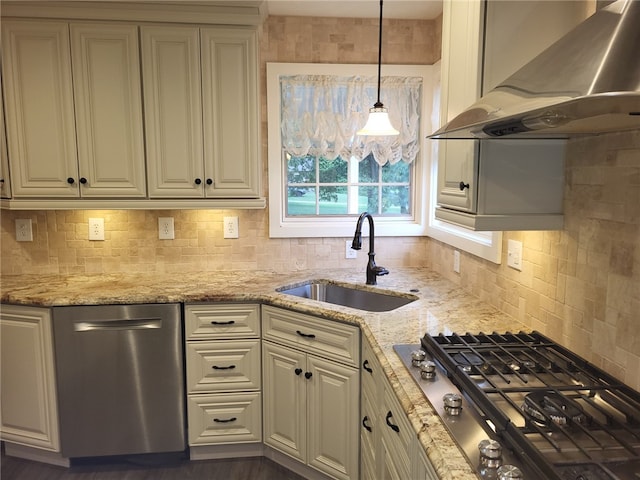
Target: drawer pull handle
[
  {"x": 305, "y": 335},
  {"x": 298, "y": 371},
  {"x": 308, "y": 375},
  {"x": 366, "y": 366},
  {"x": 230, "y": 367},
  {"x": 393, "y": 427},
  {"x": 224, "y": 420},
  {"x": 364, "y": 424},
  {"x": 230, "y": 322}
]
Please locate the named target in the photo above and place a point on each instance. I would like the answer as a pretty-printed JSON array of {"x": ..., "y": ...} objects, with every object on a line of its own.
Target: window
[{"x": 321, "y": 174}]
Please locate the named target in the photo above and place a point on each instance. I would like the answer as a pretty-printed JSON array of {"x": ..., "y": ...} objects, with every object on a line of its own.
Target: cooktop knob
[
  {"x": 417, "y": 356},
  {"x": 427, "y": 369},
  {"x": 490, "y": 453},
  {"x": 509, "y": 472},
  {"x": 452, "y": 403}
]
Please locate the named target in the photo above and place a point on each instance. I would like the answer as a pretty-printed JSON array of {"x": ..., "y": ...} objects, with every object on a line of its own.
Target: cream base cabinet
[
  {"x": 29, "y": 413},
  {"x": 311, "y": 410},
  {"x": 201, "y": 104},
  {"x": 224, "y": 400},
  {"x": 390, "y": 446},
  {"x": 74, "y": 109}
]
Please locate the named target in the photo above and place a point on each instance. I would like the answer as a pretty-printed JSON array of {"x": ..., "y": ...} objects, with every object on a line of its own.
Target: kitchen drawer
[
  {"x": 225, "y": 418},
  {"x": 398, "y": 442},
  {"x": 207, "y": 321},
  {"x": 223, "y": 366},
  {"x": 326, "y": 338}
]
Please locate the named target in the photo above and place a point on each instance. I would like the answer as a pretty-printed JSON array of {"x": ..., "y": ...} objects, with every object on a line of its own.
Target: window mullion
[{"x": 352, "y": 185}]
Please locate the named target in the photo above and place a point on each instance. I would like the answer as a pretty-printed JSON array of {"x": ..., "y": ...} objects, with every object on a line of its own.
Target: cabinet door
[
  {"x": 29, "y": 413},
  {"x": 106, "y": 76},
  {"x": 173, "y": 111},
  {"x": 231, "y": 114},
  {"x": 333, "y": 416},
  {"x": 285, "y": 399},
  {"x": 41, "y": 132},
  {"x": 462, "y": 44},
  {"x": 5, "y": 183}
]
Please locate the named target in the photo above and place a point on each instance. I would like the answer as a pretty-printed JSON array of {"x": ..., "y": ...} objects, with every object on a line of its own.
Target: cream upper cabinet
[
  {"x": 201, "y": 104},
  {"x": 29, "y": 413},
  {"x": 41, "y": 135},
  {"x": 89, "y": 148},
  {"x": 498, "y": 184},
  {"x": 108, "y": 105},
  {"x": 5, "y": 183},
  {"x": 173, "y": 110},
  {"x": 231, "y": 114}
]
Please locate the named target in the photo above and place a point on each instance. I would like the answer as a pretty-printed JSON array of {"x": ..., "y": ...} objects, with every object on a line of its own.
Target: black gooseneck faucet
[{"x": 373, "y": 270}]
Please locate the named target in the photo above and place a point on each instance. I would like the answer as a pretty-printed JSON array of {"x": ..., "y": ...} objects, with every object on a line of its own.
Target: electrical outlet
[
  {"x": 165, "y": 228},
  {"x": 514, "y": 254},
  {"x": 24, "y": 232},
  {"x": 456, "y": 261},
  {"x": 231, "y": 227},
  {"x": 96, "y": 229},
  {"x": 348, "y": 251}
]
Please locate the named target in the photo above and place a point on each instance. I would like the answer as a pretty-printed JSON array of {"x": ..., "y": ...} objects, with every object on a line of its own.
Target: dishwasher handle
[{"x": 128, "y": 324}]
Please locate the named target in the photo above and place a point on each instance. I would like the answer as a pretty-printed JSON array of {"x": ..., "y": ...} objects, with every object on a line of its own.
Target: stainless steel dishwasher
[{"x": 120, "y": 379}]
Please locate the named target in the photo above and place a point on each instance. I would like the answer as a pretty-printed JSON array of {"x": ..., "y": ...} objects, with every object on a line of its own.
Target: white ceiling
[{"x": 407, "y": 9}]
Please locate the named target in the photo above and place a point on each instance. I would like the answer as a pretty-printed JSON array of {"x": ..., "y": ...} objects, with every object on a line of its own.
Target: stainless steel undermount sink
[{"x": 349, "y": 296}]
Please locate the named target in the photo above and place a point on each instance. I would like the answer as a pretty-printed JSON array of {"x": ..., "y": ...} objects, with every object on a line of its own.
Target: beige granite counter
[{"x": 441, "y": 307}]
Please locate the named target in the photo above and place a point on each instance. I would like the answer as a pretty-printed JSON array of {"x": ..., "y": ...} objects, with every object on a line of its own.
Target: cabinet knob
[
  {"x": 463, "y": 185},
  {"x": 83, "y": 180},
  {"x": 209, "y": 181},
  {"x": 298, "y": 371},
  {"x": 308, "y": 375},
  {"x": 392, "y": 426},
  {"x": 1, "y": 180},
  {"x": 197, "y": 181},
  {"x": 70, "y": 181}
]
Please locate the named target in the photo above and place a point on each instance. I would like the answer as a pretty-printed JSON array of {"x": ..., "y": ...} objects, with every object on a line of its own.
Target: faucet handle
[{"x": 380, "y": 271}]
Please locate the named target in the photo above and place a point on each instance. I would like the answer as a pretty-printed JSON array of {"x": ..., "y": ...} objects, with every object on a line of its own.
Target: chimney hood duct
[{"x": 586, "y": 83}]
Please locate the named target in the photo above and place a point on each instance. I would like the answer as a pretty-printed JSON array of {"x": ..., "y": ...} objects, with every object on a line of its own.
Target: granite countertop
[{"x": 441, "y": 307}]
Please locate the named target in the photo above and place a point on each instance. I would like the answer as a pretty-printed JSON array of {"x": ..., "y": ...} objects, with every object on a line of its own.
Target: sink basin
[{"x": 349, "y": 296}]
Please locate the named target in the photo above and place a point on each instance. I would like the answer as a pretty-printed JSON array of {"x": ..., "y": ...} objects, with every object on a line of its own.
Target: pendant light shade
[{"x": 378, "y": 122}]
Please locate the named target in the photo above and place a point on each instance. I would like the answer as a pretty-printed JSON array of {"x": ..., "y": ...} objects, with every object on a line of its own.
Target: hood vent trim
[{"x": 586, "y": 83}]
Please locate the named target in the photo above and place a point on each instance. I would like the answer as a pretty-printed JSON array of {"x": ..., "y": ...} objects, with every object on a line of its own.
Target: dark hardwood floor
[{"x": 256, "y": 468}]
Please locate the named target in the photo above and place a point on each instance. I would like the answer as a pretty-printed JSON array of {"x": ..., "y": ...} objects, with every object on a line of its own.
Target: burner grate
[{"x": 499, "y": 372}]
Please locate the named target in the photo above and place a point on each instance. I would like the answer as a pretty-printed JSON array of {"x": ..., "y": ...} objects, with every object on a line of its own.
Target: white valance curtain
[{"x": 321, "y": 114}]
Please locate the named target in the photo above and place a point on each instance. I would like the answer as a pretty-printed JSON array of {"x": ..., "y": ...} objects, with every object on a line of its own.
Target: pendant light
[{"x": 378, "y": 122}]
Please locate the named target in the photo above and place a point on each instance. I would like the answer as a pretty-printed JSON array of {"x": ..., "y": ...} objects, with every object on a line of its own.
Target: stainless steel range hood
[{"x": 586, "y": 83}]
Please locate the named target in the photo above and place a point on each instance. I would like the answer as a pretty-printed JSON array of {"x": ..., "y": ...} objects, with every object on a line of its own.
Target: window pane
[
  {"x": 301, "y": 169},
  {"x": 368, "y": 170},
  {"x": 333, "y": 200},
  {"x": 368, "y": 199},
  {"x": 333, "y": 171},
  {"x": 398, "y": 173},
  {"x": 395, "y": 200},
  {"x": 301, "y": 201}
]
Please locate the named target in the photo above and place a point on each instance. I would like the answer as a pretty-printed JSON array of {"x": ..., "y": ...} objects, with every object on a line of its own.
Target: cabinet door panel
[
  {"x": 285, "y": 399},
  {"x": 41, "y": 132},
  {"x": 173, "y": 109},
  {"x": 5, "y": 183},
  {"x": 333, "y": 418},
  {"x": 106, "y": 75},
  {"x": 231, "y": 118},
  {"x": 29, "y": 408}
]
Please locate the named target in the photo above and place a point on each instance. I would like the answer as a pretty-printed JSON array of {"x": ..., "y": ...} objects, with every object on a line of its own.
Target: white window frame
[{"x": 282, "y": 227}]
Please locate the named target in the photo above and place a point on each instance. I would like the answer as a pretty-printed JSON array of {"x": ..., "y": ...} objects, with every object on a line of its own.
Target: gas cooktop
[{"x": 535, "y": 405}]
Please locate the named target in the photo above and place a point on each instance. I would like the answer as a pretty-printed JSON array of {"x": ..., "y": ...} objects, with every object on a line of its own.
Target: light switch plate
[
  {"x": 456, "y": 261},
  {"x": 514, "y": 254},
  {"x": 348, "y": 251}
]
